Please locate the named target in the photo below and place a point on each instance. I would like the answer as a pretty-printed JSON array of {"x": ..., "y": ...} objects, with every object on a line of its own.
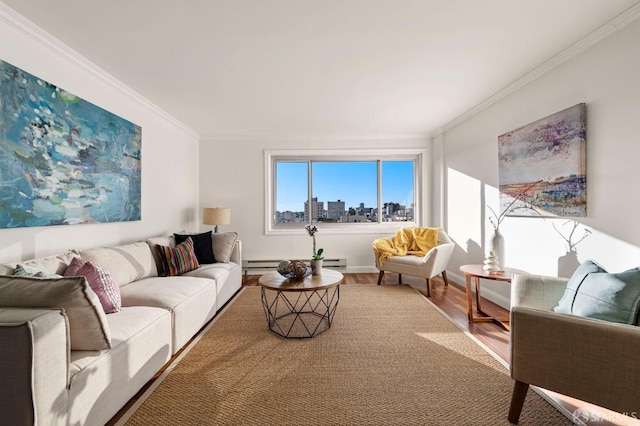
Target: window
[{"x": 350, "y": 190}]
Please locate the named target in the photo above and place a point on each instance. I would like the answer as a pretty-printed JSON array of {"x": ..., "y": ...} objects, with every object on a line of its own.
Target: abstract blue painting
[{"x": 63, "y": 160}]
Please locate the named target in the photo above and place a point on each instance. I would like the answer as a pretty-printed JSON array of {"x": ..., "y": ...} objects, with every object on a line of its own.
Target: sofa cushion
[
  {"x": 191, "y": 300},
  {"x": 101, "y": 282},
  {"x": 163, "y": 292},
  {"x": 50, "y": 264},
  {"x": 202, "y": 245},
  {"x": 102, "y": 382},
  {"x": 410, "y": 265},
  {"x": 88, "y": 326},
  {"x": 213, "y": 271},
  {"x": 179, "y": 259},
  {"x": 223, "y": 243},
  {"x": 127, "y": 263},
  {"x": 124, "y": 325},
  {"x": 593, "y": 292}
]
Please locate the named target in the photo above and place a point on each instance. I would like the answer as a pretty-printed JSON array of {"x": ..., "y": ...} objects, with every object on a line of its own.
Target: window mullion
[
  {"x": 310, "y": 191},
  {"x": 274, "y": 192},
  {"x": 379, "y": 214}
]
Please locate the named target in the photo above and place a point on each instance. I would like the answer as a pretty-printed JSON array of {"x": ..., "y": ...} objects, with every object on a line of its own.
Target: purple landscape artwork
[{"x": 542, "y": 166}]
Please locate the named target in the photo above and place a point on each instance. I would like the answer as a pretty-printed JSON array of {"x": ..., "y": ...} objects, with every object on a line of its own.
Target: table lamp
[{"x": 216, "y": 216}]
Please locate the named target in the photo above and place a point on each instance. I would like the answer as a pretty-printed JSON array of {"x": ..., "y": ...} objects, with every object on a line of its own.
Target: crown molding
[
  {"x": 600, "y": 33},
  {"x": 314, "y": 138},
  {"x": 30, "y": 29}
]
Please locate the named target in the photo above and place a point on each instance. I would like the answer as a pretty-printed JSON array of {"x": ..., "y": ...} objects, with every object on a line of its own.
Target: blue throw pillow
[
  {"x": 28, "y": 271},
  {"x": 594, "y": 293}
]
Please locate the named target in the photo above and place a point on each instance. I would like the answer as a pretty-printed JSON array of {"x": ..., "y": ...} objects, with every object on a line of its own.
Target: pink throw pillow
[{"x": 100, "y": 281}]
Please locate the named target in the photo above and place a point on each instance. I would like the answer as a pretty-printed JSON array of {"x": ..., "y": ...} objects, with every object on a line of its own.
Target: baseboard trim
[
  {"x": 344, "y": 270},
  {"x": 455, "y": 279}
]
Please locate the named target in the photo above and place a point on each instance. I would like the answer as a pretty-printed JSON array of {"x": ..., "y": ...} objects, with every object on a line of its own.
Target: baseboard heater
[{"x": 248, "y": 265}]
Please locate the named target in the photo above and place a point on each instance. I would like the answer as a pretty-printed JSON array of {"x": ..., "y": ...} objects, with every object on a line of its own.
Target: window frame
[{"x": 271, "y": 156}]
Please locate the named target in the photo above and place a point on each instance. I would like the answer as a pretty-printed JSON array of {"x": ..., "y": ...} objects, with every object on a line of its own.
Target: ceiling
[{"x": 318, "y": 67}]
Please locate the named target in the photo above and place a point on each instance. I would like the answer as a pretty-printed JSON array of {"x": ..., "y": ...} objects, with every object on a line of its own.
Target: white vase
[
  {"x": 496, "y": 245},
  {"x": 316, "y": 266}
]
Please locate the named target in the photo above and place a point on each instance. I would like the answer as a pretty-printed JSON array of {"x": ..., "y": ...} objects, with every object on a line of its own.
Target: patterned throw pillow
[
  {"x": 100, "y": 281},
  {"x": 179, "y": 259}
]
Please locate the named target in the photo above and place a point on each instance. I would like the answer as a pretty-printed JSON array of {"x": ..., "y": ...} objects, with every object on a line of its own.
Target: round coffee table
[{"x": 300, "y": 308}]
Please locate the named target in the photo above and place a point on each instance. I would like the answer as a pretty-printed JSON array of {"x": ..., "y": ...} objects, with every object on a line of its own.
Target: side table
[{"x": 477, "y": 272}]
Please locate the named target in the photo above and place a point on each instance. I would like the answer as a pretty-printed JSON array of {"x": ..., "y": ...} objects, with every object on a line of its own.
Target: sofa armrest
[
  {"x": 537, "y": 292},
  {"x": 236, "y": 253},
  {"x": 34, "y": 366},
  {"x": 589, "y": 359}
]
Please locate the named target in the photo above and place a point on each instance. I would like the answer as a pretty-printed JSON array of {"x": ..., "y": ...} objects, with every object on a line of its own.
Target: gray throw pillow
[
  {"x": 223, "y": 243},
  {"x": 88, "y": 327},
  {"x": 594, "y": 293}
]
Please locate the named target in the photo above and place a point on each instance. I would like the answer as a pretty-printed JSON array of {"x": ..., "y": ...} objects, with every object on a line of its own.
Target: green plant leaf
[{"x": 318, "y": 254}]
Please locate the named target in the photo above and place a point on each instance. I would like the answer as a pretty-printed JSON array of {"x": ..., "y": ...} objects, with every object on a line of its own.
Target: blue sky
[{"x": 351, "y": 182}]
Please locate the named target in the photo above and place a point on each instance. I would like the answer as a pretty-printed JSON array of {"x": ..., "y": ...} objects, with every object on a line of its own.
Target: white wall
[
  {"x": 169, "y": 150},
  {"x": 232, "y": 175},
  {"x": 605, "y": 77}
]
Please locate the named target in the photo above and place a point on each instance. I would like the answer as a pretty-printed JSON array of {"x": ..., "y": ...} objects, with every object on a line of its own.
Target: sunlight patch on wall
[{"x": 464, "y": 215}]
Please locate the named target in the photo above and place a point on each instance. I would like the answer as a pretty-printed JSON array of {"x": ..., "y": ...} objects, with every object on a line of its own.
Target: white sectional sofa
[{"x": 65, "y": 362}]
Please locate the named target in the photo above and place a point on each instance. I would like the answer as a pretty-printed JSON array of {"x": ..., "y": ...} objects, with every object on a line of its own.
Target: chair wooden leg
[
  {"x": 399, "y": 278},
  {"x": 444, "y": 277},
  {"x": 428, "y": 287},
  {"x": 517, "y": 400},
  {"x": 380, "y": 277}
]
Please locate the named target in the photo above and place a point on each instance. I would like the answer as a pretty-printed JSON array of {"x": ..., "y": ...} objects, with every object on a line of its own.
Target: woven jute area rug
[{"x": 390, "y": 358}]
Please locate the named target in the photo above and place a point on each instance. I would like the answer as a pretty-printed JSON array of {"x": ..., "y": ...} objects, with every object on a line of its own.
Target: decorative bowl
[{"x": 294, "y": 269}]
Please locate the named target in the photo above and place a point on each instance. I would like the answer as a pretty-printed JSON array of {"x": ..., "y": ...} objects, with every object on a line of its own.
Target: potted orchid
[{"x": 316, "y": 259}]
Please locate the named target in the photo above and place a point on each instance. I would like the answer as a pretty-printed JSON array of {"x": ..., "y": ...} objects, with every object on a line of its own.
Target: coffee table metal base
[{"x": 300, "y": 314}]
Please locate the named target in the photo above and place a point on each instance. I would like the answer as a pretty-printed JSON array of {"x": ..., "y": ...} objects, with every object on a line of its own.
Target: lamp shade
[{"x": 216, "y": 216}]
